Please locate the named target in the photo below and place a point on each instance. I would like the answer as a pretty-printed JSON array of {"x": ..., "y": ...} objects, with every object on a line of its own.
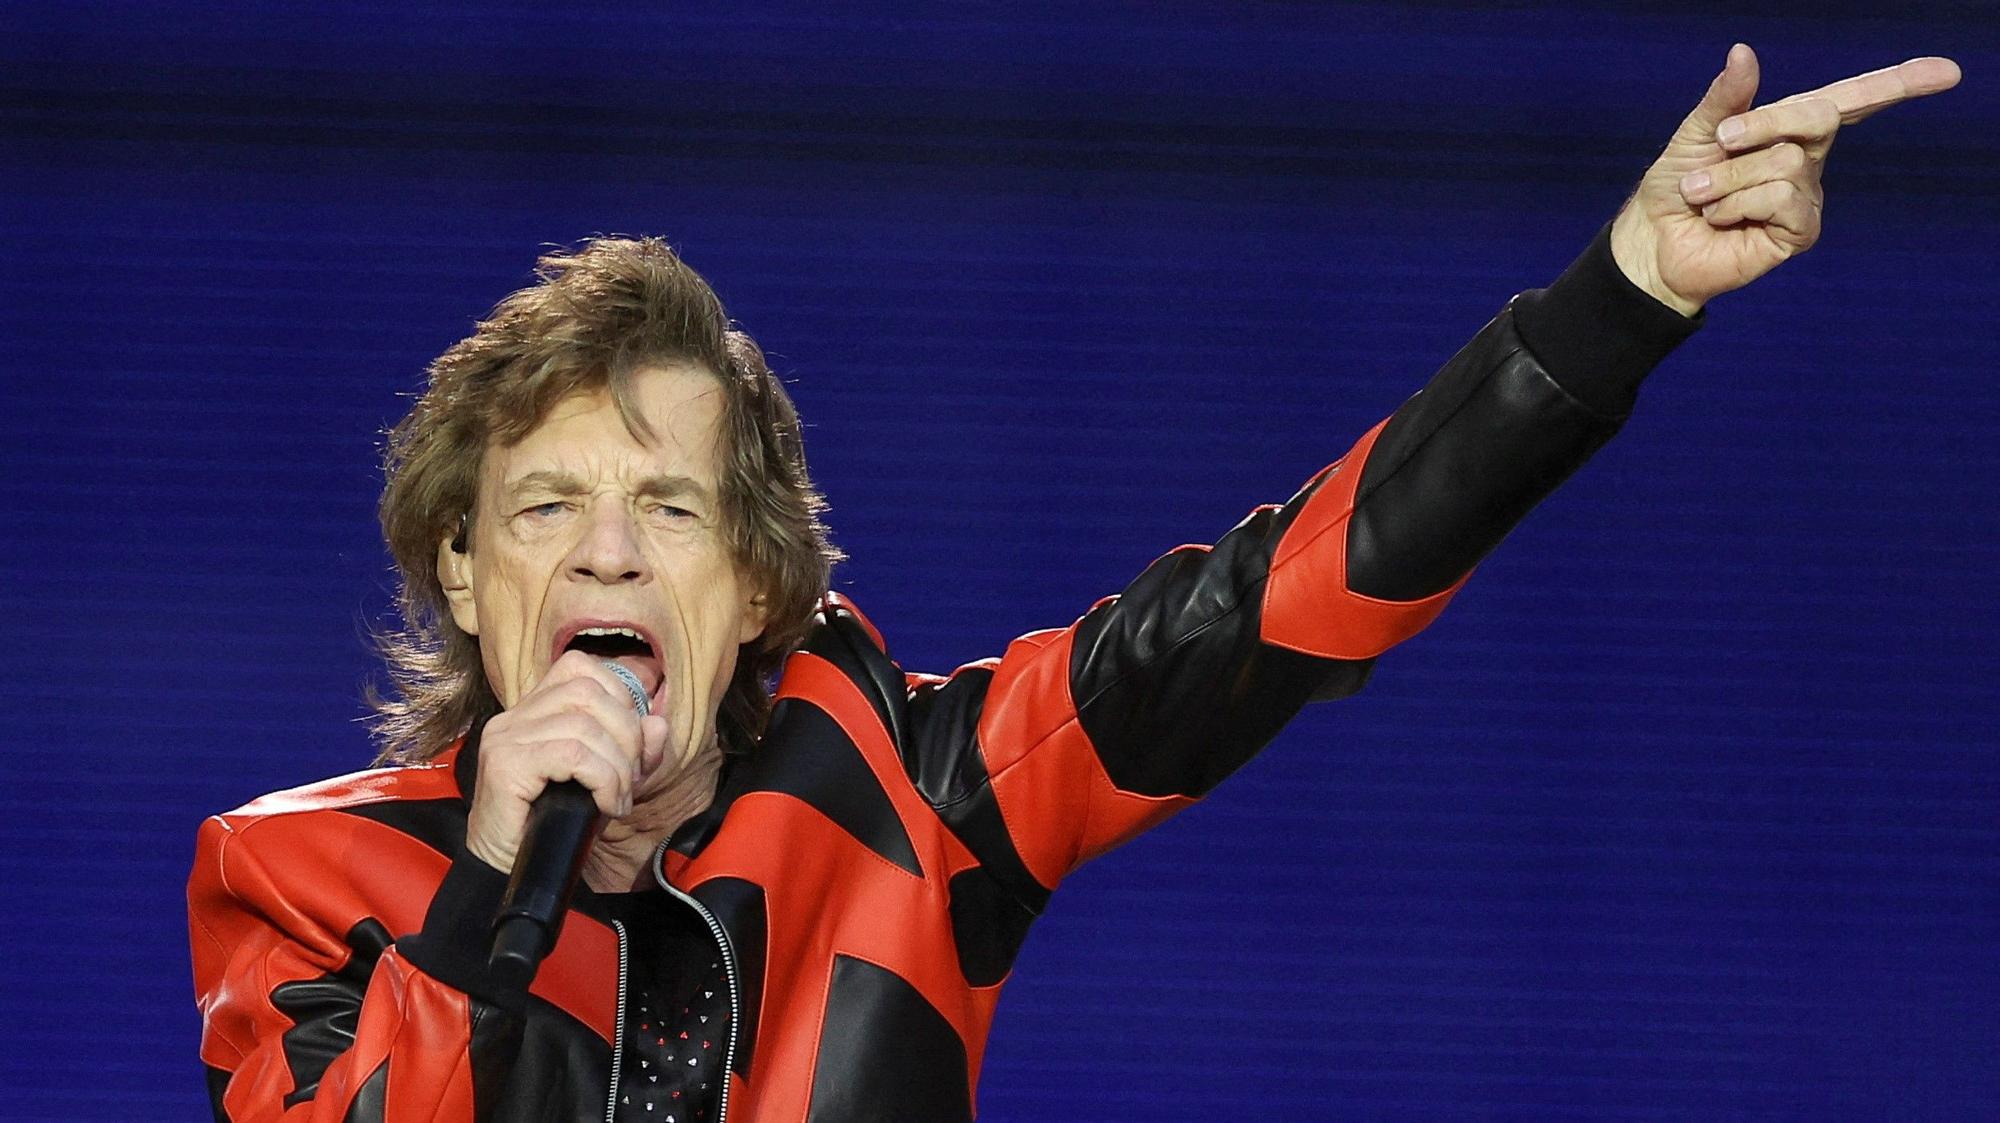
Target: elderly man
[{"x": 803, "y": 907}]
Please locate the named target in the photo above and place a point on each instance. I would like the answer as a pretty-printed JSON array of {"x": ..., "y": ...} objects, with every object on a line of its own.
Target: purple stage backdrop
[{"x": 1685, "y": 810}]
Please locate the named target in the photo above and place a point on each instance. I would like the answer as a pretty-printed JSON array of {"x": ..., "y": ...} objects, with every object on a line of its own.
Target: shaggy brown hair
[{"x": 610, "y": 308}]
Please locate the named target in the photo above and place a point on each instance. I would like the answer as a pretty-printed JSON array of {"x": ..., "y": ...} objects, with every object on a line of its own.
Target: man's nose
[{"x": 609, "y": 550}]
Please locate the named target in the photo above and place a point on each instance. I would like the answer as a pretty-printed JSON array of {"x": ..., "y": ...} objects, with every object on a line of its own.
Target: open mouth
[{"x": 623, "y": 644}]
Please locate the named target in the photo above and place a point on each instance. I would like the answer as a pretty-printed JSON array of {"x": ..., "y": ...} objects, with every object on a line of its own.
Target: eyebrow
[{"x": 553, "y": 482}]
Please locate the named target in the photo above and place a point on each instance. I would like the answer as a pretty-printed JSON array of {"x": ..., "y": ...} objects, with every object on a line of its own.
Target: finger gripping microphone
[{"x": 561, "y": 823}]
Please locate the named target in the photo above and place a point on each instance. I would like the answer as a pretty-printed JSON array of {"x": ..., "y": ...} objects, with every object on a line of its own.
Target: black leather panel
[
  {"x": 806, "y": 754},
  {"x": 1173, "y": 684},
  {"x": 921, "y": 1076},
  {"x": 1460, "y": 463},
  {"x": 944, "y": 762},
  {"x": 558, "y": 1063},
  {"x": 987, "y": 926},
  {"x": 942, "y": 759},
  {"x": 437, "y": 823},
  {"x": 371, "y": 1103},
  {"x": 975, "y": 820},
  {"x": 739, "y": 906},
  {"x": 324, "y": 1011},
  {"x": 496, "y": 1049},
  {"x": 841, "y": 640},
  {"x": 218, "y": 1083}
]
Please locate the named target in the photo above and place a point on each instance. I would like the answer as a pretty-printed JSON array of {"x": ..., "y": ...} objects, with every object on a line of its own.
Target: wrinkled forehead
[{"x": 662, "y": 420}]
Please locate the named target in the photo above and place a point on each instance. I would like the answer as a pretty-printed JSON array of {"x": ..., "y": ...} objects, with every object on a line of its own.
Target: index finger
[
  {"x": 581, "y": 664},
  {"x": 1864, "y": 94}
]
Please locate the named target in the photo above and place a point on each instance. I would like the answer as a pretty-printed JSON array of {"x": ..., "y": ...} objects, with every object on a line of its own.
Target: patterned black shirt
[{"x": 676, "y": 1012}]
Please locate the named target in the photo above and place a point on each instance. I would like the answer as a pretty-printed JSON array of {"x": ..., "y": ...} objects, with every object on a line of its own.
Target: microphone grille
[{"x": 639, "y": 700}]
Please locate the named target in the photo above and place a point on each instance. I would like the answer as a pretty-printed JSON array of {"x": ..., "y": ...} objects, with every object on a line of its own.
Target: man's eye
[
  {"x": 545, "y": 510},
  {"x": 672, "y": 513}
]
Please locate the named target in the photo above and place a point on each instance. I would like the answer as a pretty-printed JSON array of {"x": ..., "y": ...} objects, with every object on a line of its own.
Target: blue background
[{"x": 1685, "y": 810}]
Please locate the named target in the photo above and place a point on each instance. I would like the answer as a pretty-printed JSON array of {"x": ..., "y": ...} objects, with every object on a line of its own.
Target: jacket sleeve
[
  {"x": 1079, "y": 738},
  {"x": 311, "y": 1014}
]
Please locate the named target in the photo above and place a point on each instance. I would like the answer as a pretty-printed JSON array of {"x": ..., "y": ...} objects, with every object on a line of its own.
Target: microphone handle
[{"x": 561, "y": 822}]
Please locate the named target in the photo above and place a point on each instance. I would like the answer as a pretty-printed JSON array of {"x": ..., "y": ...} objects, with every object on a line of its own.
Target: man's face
[{"x": 581, "y": 525}]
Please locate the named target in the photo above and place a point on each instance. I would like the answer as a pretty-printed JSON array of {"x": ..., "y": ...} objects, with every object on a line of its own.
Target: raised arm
[{"x": 1081, "y": 737}]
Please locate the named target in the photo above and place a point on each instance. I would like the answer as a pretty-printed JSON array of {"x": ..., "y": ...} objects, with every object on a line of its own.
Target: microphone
[{"x": 561, "y": 823}]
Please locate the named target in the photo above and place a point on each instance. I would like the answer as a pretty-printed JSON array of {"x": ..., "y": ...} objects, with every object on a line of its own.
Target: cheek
[
  {"x": 708, "y": 595},
  {"x": 724, "y": 664},
  {"x": 500, "y": 602},
  {"x": 509, "y": 594}
]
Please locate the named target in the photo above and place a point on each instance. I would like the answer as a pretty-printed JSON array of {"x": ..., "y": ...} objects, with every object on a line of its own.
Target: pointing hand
[{"x": 1737, "y": 190}]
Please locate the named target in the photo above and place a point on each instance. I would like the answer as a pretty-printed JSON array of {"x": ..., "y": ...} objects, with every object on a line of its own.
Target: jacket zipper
[
  {"x": 728, "y": 971},
  {"x": 618, "y": 1034}
]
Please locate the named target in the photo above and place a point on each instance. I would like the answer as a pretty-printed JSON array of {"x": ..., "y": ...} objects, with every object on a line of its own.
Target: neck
[{"x": 620, "y": 861}]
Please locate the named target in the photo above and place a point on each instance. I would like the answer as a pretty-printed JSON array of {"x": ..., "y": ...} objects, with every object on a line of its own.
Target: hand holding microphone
[{"x": 572, "y": 749}]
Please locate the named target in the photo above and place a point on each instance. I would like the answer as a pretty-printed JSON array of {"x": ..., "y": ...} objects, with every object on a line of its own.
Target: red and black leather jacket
[{"x": 871, "y": 868}]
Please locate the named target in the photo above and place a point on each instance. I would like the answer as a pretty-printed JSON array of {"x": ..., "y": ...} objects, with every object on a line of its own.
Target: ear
[
  {"x": 756, "y": 616},
  {"x": 454, "y": 572}
]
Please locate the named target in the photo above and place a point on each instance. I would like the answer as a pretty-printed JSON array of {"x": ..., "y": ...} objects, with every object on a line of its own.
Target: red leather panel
[{"x": 1307, "y": 604}]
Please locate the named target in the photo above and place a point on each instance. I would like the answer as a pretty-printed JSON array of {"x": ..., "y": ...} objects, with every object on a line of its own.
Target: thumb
[
  {"x": 654, "y": 730},
  {"x": 1731, "y": 93}
]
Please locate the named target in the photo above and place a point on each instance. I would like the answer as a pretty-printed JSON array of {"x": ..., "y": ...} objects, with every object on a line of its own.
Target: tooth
[{"x": 628, "y": 633}]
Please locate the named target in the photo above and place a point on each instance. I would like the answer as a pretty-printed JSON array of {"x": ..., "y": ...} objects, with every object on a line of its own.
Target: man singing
[{"x": 802, "y": 906}]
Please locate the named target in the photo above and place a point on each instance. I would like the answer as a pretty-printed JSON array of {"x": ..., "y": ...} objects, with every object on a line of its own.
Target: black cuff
[
  {"x": 1596, "y": 333},
  {"x": 458, "y": 932}
]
